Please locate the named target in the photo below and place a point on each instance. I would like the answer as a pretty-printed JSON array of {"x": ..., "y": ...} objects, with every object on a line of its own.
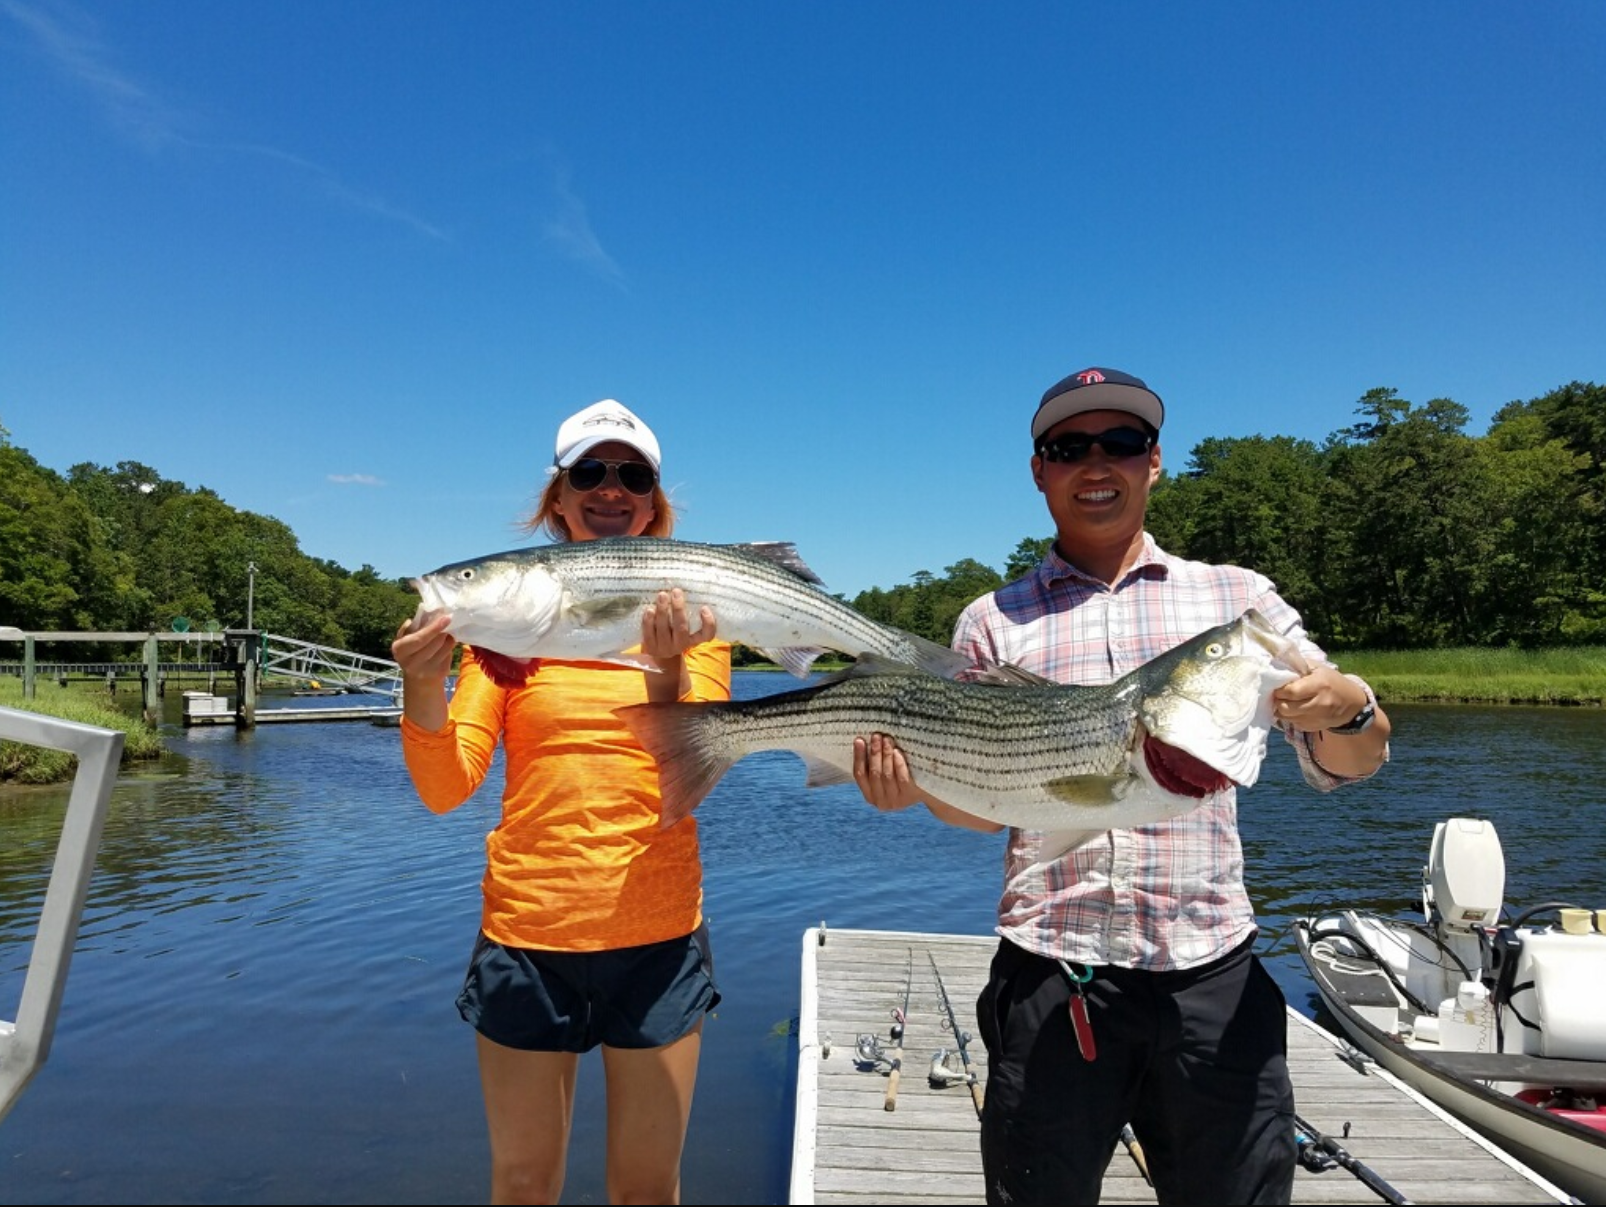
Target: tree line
[{"x": 1401, "y": 531}]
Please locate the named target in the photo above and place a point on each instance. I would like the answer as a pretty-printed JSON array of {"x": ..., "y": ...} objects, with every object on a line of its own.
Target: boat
[{"x": 1497, "y": 1016}]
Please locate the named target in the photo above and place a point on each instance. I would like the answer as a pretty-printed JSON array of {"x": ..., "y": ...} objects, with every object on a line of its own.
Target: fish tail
[
  {"x": 676, "y": 737},
  {"x": 937, "y": 659}
]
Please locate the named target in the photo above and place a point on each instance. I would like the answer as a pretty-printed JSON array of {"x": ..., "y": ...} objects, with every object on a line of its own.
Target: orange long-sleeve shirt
[{"x": 579, "y": 860}]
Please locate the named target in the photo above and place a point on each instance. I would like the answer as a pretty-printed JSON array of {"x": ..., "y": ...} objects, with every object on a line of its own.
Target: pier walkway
[{"x": 847, "y": 1148}]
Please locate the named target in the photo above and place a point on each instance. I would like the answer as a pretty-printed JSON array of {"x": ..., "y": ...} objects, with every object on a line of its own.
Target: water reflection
[{"x": 260, "y": 1006}]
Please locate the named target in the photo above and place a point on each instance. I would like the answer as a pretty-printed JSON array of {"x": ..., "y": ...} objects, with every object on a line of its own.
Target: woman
[{"x": 592, "y": 931}]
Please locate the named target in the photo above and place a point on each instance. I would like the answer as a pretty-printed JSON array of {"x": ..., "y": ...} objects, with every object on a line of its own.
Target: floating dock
[
  {"x": 200, "y": 708},
  {"x": 848, "y": 1148}
]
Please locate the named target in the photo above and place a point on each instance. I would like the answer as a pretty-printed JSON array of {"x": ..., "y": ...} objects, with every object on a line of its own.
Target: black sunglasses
[
  {"x": 588, "y": 473},
  {"x": 1120, "y": 442}
]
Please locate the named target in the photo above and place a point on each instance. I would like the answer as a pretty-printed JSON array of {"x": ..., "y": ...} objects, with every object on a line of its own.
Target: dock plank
[{"x": 847, "y": 1148}]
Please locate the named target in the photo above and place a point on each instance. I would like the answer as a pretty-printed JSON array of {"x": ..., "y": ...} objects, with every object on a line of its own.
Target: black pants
[{"x": 1196, "y": 1061}]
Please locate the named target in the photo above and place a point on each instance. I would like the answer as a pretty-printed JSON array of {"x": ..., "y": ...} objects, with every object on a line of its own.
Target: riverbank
[
  {"x": 1566, "y": 675},
  {"x": 24, "y": 764}
]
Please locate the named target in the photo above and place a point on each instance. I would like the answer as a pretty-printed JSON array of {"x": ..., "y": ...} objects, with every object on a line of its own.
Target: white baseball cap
[{"x": 598, "y": 424}]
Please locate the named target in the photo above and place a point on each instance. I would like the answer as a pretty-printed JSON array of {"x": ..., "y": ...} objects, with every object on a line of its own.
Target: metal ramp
[
  {"x": 25, "y": 1041},
  {"x": 326, "y": 666}
]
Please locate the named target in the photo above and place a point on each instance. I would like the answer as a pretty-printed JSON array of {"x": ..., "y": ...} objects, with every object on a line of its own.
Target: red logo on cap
[{"x": 1088, "y": 376}]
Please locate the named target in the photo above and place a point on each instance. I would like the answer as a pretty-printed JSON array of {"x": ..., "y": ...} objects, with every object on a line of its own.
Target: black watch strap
[{"x": 1359, "y": 723}]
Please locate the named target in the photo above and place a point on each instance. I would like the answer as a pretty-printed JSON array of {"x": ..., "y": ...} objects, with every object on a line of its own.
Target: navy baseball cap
[{"x": 1097, "y": 390}]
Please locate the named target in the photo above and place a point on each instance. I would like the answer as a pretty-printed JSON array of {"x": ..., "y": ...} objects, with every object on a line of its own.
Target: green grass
[
  {"x": 1563, "y": 675},
  {"x": 24, "y": 764}
]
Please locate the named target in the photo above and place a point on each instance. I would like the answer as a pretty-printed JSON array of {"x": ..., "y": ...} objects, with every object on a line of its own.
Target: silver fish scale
[
  {"x": 991, "y": 740},
  {"x": 722, "y": 577}
]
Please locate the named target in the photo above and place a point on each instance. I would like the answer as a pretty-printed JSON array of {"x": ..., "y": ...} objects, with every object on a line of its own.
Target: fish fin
[
  {"x": 503, "y": 670},
  {"x": 1088, "y": 789},
  {"x": 688, "y": 769},
  {"x": 604, "y": 610},
  {"x": 795, "y": 659},
  {"x": 784, "y": 555},
  {"x": 822, "y": 774},
  {"x": 867, "y": 663},
  {"x": 1007, "y": 674},
  {"x": 939, "y": 660},
  {"x": 1061, "y": 842}
]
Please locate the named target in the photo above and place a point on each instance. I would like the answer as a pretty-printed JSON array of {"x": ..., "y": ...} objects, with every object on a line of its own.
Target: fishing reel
[
  {"x": 947, "y": 1067},
  {"x": 870, "y": 1055}
]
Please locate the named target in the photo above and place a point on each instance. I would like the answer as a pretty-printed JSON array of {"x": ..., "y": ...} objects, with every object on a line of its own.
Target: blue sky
[{"x": 349, "y": 264}]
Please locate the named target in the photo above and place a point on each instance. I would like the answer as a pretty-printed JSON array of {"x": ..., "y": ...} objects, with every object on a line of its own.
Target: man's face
[{"x": 1099, "y": 497}]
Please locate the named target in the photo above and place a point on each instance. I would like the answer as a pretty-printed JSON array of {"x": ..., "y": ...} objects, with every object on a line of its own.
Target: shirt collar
[{"x": 1153, "y": 562}]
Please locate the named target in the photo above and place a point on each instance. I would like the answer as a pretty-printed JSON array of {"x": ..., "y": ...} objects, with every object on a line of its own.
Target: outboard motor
[
  {"x": 1464, "y": 882},
  {"x": 1463, "y": 890}
]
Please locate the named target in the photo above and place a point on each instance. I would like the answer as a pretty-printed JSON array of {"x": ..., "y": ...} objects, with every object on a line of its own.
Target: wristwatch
[
  {"x": 1359, "y": 723},
  {"x": 1362, "y": 720}
]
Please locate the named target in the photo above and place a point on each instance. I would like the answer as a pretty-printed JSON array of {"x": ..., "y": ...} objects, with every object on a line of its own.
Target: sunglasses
[
  {"x": 588, "y": 473},
  {"x": 1118, "y": 442}
]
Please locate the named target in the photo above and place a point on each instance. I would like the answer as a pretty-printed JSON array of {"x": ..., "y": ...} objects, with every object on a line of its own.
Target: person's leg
[
  {"x": 1216, "y": 1115},
  {"x": 529, "y": 1102},
  {"x": 649, "y": 1105},
  {"x": 1051, "y": 1119}
]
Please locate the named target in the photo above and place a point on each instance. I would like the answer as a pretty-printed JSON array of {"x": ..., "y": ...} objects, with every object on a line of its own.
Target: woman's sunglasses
[
  {"x": 588, "y": 473},
  {"x": 1119, "y": 442}
]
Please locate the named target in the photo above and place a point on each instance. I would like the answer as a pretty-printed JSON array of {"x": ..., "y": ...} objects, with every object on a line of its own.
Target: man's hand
[
  {"x": 1318, "y": 701},
  {"x": 882, "y": 774}
]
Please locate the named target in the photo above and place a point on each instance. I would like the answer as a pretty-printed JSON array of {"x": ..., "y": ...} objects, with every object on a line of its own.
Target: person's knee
[{"x": 525, "y": 1182}]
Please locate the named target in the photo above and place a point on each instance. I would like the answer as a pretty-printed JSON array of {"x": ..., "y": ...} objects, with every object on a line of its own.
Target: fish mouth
[
  {"x": 1281, "y": 648},
  {"x": 1181, "y": 773}
]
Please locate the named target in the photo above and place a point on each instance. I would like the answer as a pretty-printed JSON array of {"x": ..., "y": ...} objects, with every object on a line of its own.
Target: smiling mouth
[{"x": 1096, "y": 496}]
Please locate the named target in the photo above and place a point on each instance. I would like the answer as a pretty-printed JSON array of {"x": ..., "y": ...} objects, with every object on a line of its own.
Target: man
[{"x": 1125, "y": 986}]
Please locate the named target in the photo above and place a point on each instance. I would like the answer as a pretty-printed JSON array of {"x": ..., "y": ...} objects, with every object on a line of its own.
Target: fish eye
[
  {"x": 1215, "y": 649},
  {"x": 466, "y": 574}
]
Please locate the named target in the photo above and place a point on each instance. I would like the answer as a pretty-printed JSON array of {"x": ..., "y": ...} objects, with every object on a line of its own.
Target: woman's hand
[
  {"x": 666, "y": 629},
  {"x": 424, "y": 654}
]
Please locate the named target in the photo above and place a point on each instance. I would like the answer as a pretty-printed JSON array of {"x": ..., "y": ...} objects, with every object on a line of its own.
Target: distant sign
[
  {"x": 181, "y": 624},
  {"x": 212, "y": 626}
]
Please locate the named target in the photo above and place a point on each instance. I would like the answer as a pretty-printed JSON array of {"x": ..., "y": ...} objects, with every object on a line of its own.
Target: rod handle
[{"x": 891, "y": 1103}]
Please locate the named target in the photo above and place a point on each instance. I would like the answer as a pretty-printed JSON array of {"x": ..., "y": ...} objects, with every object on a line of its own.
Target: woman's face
[{"x": 607, "y": 509}]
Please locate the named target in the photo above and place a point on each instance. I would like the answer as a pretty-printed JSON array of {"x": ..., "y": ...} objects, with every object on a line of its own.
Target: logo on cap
[
  {"x": 613, "y": 420},
  {"x": 1088, "y": 376}
]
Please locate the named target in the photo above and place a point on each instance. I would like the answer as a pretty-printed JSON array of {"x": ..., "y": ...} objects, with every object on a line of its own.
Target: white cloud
[
  {"x": 570, "y": 230},
  {"x": 356, "y": 480},
  {"x": 70, "y": 40}
]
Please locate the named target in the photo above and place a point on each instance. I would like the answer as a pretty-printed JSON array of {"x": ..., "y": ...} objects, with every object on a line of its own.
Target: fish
[
  {"x": 1007, "y": 746},
  {"x": 583, "y": 600}
]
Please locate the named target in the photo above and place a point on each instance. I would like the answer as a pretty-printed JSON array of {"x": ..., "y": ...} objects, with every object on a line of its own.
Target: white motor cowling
[{"x": 1464, "y": 882}]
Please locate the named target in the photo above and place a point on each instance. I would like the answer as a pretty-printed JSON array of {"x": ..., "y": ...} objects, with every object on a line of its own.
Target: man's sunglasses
[
  {"x": 588, "y": 473},
  {"x": 1119, "y": 442}
]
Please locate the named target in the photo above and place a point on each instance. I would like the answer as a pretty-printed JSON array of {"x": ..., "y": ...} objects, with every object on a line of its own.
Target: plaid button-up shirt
[{"x": 1158, "y": 897}]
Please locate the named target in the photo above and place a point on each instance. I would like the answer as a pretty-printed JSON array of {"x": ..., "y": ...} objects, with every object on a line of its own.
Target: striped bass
[
  {"x": 1017, "y": 750},
  {"x": 583, "y": 600}
]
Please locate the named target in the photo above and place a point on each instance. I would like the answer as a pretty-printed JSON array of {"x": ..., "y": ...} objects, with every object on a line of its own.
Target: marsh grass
[
  {"x": 24, "y": 764},
  {"x": 1564, "y": 675}
]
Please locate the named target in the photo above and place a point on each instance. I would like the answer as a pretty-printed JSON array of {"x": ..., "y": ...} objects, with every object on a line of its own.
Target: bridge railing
[
  {"x": 328, "y": 666},
  {"x": 25, "y": 1041}
]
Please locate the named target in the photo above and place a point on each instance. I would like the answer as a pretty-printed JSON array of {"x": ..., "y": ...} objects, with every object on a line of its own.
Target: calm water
[{"x": 260, "y": 1008}]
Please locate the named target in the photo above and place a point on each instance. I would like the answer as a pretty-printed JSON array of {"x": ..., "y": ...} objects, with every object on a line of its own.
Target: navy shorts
[{"x": 571, "y": 1001}]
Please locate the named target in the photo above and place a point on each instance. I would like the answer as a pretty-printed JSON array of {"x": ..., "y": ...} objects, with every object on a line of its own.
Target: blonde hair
[{"x": 546, "y": 516}]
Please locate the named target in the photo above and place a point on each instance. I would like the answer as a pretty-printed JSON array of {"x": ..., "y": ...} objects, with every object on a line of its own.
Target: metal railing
[
  {"x": 328, "y": 666},
  {"x": 25, "y": 1042}
]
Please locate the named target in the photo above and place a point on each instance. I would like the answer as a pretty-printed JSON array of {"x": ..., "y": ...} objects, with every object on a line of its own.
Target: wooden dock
[{"x": 848, "y": 1148}]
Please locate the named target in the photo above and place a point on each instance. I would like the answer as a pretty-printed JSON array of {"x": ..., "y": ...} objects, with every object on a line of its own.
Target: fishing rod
[
  {"x": 1319, "y": 1152},
  {"x": 960, "y": 1037},
  {"x": 1135, "y": 1151},
  {"x": 900, "y": 1020}
]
